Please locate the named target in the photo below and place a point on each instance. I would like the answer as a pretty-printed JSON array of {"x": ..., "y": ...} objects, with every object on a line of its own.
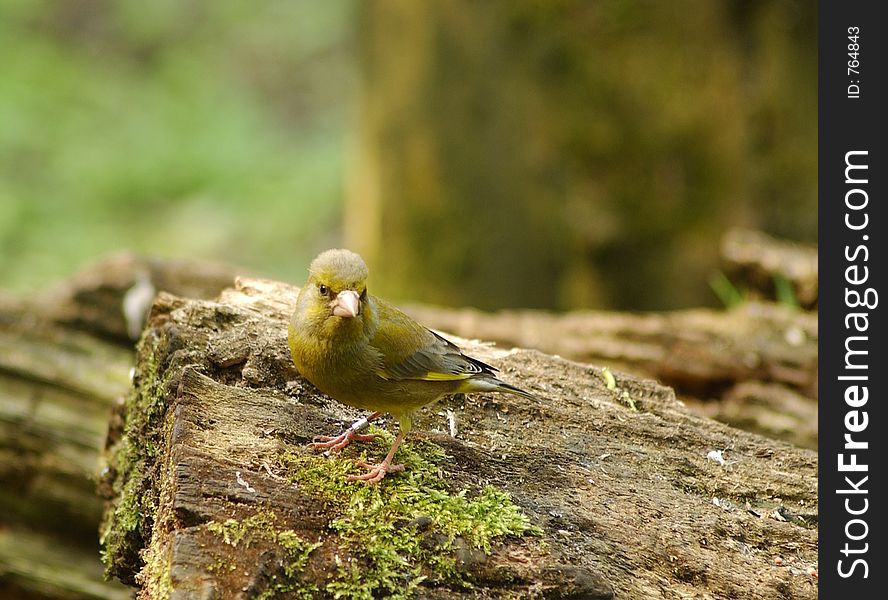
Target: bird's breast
[{"x": 345, "y": 373}]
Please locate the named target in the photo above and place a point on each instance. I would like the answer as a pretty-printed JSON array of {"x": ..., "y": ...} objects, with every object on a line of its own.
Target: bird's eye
[
  {"x": 364, "y": 295},
  {"x": 323, "y": 289}
]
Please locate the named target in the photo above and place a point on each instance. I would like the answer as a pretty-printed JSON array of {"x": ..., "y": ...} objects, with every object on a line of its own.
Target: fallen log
[
  {"x": 608, "y": 488},
  {"x": 65, "y": 359},
  {"x": 110, "y": 298},
  {"x": 703, "y": 354},
  {"x": 56, "y": 391}
]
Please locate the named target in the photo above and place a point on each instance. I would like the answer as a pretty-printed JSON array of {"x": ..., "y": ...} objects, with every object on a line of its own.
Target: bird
[{"x": 362, "y": 351}]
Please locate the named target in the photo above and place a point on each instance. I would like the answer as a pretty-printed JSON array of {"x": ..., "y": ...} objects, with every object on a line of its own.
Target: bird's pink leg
[
  {"x": 376, "y": 472},
  {"x": 351, "y": 434}
]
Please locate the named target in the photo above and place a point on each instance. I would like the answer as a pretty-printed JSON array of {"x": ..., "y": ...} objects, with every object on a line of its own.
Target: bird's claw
[
  {"x": 374, "y": 473},
  {"x": 339, "y": 442}
]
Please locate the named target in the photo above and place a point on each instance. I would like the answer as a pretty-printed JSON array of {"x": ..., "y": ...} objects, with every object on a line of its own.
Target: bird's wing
[
  {"x": 440, "y": 360},
  {"x": 410, "y": 351}
]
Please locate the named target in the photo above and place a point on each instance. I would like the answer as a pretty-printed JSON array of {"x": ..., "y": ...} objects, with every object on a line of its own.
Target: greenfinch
[{"x": 363, "y": 352}]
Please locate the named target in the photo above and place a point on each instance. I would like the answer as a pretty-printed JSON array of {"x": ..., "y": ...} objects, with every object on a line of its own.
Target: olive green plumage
[{"x": 366, "y": 353}]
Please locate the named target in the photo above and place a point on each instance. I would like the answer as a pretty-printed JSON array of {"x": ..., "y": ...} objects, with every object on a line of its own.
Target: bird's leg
[
  {"x": 339, "y": 442},
  {"x": 376, "y": 472}
]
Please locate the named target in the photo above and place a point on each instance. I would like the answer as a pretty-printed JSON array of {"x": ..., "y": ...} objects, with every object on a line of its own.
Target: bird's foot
[
  {"x": 339, "y": 442},
  {"x": 376, "y": 472}
]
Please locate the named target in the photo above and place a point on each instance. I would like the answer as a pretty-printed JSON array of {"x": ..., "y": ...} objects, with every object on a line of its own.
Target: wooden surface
[
  {"x": 65, "y": 357},
  {"x": 754, "y": 366},
  {"x": 635, "y": 497}
]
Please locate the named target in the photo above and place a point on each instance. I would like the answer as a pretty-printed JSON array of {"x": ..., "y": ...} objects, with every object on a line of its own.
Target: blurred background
[
  {"x": 541, "y": 154},
  {"x": 547, "y": 154}
]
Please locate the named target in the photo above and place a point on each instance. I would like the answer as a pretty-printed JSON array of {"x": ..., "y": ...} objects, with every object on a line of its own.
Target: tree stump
[{"x": 609, "y": 488}]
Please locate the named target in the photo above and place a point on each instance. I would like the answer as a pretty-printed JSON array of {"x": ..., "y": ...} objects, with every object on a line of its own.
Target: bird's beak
[{"x": 347, "y": 304}]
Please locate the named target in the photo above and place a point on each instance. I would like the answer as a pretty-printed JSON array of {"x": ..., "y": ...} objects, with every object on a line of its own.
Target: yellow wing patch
[
  {"x": 432, "y": 376},
  {"x": 429, "y": 376}
]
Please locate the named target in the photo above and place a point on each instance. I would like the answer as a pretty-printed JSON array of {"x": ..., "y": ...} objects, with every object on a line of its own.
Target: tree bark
[{"x": 211, "y": 486}]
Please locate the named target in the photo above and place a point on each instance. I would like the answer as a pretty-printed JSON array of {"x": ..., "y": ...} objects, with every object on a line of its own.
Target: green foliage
[
  {"x": 785, "y": 292},
  {"x": 730, "y": 296},
  {"x": 385, "y": 529},
  {"x": 725, "y": 290},
  {"x": 211, "y": 130}
]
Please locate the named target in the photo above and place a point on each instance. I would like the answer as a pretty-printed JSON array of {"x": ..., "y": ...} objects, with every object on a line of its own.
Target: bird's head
[{"x": 336, "y": 290}]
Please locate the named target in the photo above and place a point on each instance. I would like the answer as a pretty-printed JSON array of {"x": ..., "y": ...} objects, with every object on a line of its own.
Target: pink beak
[{"x": 347, "y": 304}]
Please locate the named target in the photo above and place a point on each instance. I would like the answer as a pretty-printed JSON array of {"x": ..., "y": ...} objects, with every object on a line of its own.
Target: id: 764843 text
[{"x": 854, "y": 62}]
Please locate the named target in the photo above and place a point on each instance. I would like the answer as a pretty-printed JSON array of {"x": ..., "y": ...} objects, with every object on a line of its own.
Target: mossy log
[
  {"x": 65, "y": 359},
  {"x": 607, "y": 488},
  {"x": 741, "y": 366}
]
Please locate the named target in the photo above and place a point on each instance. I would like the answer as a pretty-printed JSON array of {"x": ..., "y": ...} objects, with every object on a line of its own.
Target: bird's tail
[
  {"x": 511, "y": 389},
  {"x": 488, "y": 383}
]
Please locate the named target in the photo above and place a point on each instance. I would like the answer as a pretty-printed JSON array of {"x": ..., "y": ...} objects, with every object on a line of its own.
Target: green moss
[
  {"x": 379, "y": 526},
  {"x": 131, "y": 463},
  {"x": 260, "y": 528},
  {"x": 382, "y": 551}
]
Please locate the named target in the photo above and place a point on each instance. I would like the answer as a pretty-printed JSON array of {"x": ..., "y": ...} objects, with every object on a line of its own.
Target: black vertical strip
[{"x": 853, "y": 170}]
